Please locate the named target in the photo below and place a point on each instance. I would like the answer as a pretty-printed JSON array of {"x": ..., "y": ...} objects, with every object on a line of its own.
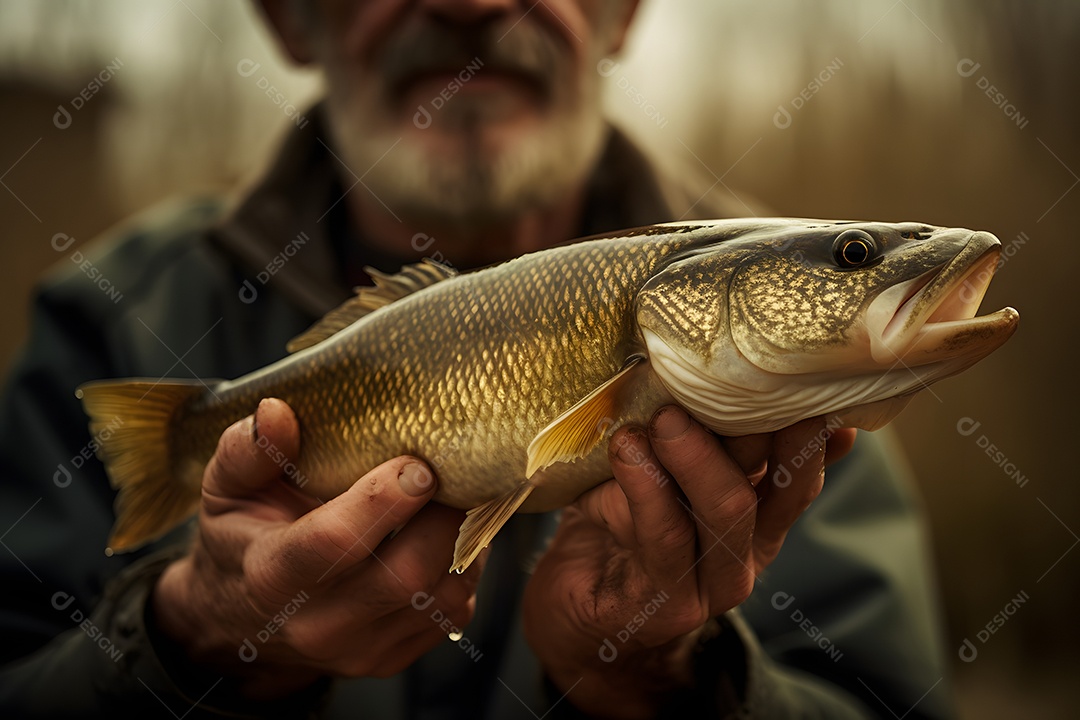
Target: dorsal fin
[{"x": 367, "y": 300}]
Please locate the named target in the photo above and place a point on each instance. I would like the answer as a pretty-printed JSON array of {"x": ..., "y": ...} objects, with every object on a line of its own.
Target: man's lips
[{"x": 425, "y": 86}]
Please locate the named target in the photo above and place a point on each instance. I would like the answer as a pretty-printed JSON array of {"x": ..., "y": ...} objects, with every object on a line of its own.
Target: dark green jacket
[{"x": 844, "y": 623}]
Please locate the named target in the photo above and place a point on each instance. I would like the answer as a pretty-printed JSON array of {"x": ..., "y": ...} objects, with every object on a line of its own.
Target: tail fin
[{"x": 132, "y": 422}]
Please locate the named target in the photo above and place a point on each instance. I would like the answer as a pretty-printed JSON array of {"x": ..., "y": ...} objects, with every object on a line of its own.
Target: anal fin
[
  {"x": 483, "y": 522},
  {"x": 577, "y": 431}
]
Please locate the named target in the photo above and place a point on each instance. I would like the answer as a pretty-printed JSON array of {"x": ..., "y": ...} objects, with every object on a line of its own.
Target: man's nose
[{"x": 468, "y": 12}]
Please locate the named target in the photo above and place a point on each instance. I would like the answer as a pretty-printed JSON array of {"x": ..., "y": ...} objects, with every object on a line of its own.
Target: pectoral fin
[
  {"x": 483, "y": 522},
  {"x": 388, "y": 288},
  {"x": 577, "y": 431}
]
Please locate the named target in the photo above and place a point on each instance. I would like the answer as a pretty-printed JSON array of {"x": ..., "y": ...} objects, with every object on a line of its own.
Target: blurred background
[{"x": 961, "y": 113}]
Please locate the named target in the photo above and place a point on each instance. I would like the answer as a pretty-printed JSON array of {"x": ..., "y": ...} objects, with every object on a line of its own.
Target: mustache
[{"x": 425, "y": 47}]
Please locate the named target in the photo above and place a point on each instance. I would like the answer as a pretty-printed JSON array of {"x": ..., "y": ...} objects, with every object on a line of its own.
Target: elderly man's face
[{"x": 466, "y": 111}]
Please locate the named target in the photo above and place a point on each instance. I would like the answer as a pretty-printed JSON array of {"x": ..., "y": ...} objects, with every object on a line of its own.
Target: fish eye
[{"x": 854, "y": 248}]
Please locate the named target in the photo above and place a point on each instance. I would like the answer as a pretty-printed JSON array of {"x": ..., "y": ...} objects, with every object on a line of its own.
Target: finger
[
  {"x": 666, "y": 534},
  {"x": 336, "y": 536},
  {"x": 606, "y": 507},
  {"x": 751, "y": 453},
  {"x": 839, "y": 444},
  {"x": 408, "y": 651},
  {"x": 419, "y": 557},
  {"x": 254, "y": 452},
  {"x": 361, "y": 649},
  {"x": 723, "y": 503},
  {"x": 398, "y": 657},
  {"x": 799, "y": 462},
  {"x": 330, "y": 634},
  {"x": 718, "y": 490},
  {"x": 386, "y": 655}
]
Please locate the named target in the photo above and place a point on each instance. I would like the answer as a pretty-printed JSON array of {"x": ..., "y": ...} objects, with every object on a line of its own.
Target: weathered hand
[
  {"x": 279, "y": 589},
  {"x": 641, "y": 563}
]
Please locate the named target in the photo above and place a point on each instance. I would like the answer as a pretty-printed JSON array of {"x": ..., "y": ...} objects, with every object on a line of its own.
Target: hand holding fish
[
  {"x": 262, "y": 543},
  {"x": 640, "y": 564},
  {"x": 512, "y": 379}
]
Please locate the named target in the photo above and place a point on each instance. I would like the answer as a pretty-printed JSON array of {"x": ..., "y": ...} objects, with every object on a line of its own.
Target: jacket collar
[{"x": 292, "y": 206}]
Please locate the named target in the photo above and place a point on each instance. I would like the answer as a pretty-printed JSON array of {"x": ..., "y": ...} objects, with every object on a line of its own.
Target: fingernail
[
  {"x": 415, "y": 479},
  {"x": 755, "y": 476},
  {"x": 670, "y": 422},
  {"x": 629, "y": 453},
  {"x": 255, "y": 420}
]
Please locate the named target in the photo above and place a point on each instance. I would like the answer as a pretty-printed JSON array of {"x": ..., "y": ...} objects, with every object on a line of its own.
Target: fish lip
[{"x": 933, "y": 317}]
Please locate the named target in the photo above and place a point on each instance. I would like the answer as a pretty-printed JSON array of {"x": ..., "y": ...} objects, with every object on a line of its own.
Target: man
[{"x": 633, "y": 608}]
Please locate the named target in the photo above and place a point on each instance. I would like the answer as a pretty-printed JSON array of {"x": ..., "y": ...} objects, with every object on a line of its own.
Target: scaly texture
[{"x": 463, "y": 374}]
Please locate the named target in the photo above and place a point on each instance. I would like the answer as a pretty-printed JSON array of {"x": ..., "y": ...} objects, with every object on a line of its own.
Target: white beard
[{"x": 479, "y": 181}]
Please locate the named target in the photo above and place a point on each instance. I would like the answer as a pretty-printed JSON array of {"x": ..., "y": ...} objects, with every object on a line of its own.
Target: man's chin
[
  {"x": 463, "y": 192},
  {"x": 484, "y": 175},
  {"x": 483, "y": 103},
  {"x": 482, "y": 141}
]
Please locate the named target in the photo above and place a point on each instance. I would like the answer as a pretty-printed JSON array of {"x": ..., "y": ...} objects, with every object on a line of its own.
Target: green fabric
[{"x": 855, "y": 564}]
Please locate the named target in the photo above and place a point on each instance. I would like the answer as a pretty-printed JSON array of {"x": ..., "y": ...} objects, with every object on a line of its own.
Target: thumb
[
  {"x": 348, "y": 529},
  {"x": 255, "y": 452}
]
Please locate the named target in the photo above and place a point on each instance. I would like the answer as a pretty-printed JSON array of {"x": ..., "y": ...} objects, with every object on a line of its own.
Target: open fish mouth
[{"x": 932, "y": 317}]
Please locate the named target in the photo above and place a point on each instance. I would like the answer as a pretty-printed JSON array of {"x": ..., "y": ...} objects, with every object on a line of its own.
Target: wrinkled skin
[
  {"x": 261, "y": 542},
  {"x": 700, "y": 539}
]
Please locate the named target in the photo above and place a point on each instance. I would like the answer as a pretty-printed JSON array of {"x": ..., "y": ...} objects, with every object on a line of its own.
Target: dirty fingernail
[
  {"x": 628, "y": 451},
  {"x": 670, "y": 422},
  {"x": 415, "y": 479}
]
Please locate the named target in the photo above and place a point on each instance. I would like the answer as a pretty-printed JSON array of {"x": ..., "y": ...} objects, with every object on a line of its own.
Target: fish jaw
[
  {"x": 931, "y": 319},
  {"x": 747, "y": 400},
  {"x": 861, "y": 374}
]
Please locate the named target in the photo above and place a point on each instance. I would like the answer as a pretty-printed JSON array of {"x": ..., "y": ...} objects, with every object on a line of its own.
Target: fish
[{"x": 509, "y": 380}]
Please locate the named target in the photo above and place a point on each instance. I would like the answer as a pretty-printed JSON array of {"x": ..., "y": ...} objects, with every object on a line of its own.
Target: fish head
[{"x": 794, "y": 319}]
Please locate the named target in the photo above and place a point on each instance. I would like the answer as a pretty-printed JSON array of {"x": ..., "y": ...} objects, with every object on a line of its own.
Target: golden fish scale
[{"x": 463, "y": 374}]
